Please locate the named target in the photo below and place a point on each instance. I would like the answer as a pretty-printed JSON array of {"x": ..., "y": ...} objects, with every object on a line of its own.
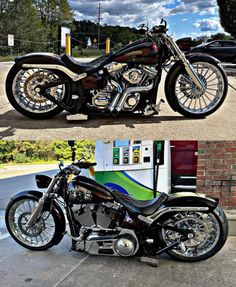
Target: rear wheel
[
  {"x": 21, "y": 89},
  {"x": 41, "y": 235},
  {"x": 208, "y": 230}
]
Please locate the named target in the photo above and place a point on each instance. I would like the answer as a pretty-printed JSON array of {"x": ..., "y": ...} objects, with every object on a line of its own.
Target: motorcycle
[
  {"x": 102, "y": 221},
  {"x": 41, "y": 85}
]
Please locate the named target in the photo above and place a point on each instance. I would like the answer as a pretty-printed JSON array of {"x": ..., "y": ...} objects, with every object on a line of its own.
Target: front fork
[
  {"x": 39, "y": 206},
  {"x": 188, "y": 66}
]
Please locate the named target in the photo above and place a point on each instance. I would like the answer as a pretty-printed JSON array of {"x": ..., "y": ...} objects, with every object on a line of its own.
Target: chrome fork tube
[
  {"x": 188, "y": 66},
  {"x": 39, "y": 206}
]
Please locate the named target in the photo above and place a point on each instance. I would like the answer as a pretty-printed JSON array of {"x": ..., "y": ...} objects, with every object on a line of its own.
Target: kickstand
[{"x": 150, "y": 260}]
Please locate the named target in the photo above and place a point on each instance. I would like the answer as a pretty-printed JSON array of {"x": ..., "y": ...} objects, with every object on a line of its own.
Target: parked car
[
  {"x": 223, "y": 50},
  {"x": 185, "y": 44}
]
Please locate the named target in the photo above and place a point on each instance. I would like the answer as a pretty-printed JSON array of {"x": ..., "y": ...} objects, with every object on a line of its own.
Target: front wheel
[
  {"x": 184, "y": 97},
  {"x": 42, "y": 235},
  {"x": 210, "y": 233}
]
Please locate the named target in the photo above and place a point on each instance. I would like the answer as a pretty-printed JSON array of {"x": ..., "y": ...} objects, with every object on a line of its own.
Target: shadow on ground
[{"x": 12, "y": 121}]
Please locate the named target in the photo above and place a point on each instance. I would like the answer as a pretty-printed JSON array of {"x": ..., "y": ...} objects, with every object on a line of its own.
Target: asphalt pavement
[
  {"x": 168, "y": 125},
  {"x": 9, "y": 186}
]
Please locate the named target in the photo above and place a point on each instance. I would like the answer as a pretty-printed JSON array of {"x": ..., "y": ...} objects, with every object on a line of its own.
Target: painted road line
[{"x": 3, "y": 230}]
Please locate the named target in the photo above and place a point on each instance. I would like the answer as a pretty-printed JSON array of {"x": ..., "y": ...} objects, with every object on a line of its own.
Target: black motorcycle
[
  {"x": 42, "y": 85},
  {"x": 102, "y": 221}
]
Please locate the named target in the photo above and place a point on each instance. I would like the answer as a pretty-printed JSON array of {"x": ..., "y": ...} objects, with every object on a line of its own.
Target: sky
[{"x": 186, "y": 18}]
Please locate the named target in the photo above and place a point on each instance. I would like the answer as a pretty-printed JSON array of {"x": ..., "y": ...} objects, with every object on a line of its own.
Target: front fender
[
  {"x": 39, "y": 58},
  {"x": 35, "y": 194}
]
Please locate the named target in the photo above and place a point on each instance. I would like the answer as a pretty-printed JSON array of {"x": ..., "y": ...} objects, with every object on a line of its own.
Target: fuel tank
[
  {"x": 140, "y": 52},
  {"x": 92, "y": 190}
]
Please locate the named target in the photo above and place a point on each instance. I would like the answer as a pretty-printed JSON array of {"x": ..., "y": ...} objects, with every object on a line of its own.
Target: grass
[
  {"x": 7, "y": 58},
  {"x": 2, "y": 165}
]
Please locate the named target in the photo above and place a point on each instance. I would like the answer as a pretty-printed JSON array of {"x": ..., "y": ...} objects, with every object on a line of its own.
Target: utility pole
[{"x": 99, "y": 22}]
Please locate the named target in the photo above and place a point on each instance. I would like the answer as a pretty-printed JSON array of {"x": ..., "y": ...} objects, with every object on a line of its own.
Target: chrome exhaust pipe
[
  {"x": 132, "y": 90},
  {"x": 116, "y": 98}
]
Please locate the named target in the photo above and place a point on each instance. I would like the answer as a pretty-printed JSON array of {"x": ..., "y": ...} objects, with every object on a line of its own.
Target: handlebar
[
  {"x": 85, "y": 165},
  {"x": 162, "y": 28}
]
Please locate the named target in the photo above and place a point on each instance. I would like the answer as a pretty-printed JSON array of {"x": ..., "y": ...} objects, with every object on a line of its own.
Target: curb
[{"x": 231, "y": 216}]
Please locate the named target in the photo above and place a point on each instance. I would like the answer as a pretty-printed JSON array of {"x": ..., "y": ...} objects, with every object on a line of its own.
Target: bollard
[
  {"x": 68, "y": 45},
  {"x": 108, "y": 45}
]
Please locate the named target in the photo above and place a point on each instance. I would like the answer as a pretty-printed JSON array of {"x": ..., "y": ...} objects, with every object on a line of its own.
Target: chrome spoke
[
  {"x": 205, "y": 238},
  {"x": 195, "y": 101},
  {"x": 24, "y": 85},
  {"x": 40, "y": 234}
]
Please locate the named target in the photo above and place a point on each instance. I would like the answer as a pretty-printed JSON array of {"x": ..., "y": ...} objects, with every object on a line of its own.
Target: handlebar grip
[{"x": 86, "y": 165}]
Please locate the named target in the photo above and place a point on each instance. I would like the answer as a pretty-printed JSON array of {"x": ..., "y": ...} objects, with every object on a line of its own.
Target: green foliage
[
  {"x": 30, "y": 151},
  {"x": 118, "y": 35},
  {"x": 227, "y": 10},
  {"x": 34, "y": 23}
]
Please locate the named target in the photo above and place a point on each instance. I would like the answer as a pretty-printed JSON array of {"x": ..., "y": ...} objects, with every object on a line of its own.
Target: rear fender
[
  {"x": 35, "y": 194},
  {"x": 185, "y": 201},
  {"x": 39, "y": 58},
  {"x": 47, "y": 61}
]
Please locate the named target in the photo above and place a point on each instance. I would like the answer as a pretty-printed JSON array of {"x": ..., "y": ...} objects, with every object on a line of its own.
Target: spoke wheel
[
  {"x": 205, "y": 235},
  {"x": 191, "y": 98},
  {"x": 186, "y": 98},
  {"x": 23, "y": 92},
  {"x": 43, "y": 234}
]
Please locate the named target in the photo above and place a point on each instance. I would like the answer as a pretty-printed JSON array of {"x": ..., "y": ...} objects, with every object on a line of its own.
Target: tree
[{"x": 227, "y": 10}]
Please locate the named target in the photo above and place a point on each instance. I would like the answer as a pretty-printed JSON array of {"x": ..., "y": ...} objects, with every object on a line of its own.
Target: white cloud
[{"x": 208, "y": 25}]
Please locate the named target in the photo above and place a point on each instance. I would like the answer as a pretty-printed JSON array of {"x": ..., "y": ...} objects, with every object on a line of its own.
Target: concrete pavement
[
  {"x": 59, "y": 267},
  {"x": 168, "y": 125}
]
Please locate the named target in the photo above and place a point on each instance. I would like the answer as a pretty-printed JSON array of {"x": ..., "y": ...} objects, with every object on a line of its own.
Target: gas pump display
[{"x": 129, "y": 167}]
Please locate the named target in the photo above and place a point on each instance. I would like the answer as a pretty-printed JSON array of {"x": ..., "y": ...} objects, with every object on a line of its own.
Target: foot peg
[
  {"x": 153, "y": 109},
  {"x": 152, "y": 261}
]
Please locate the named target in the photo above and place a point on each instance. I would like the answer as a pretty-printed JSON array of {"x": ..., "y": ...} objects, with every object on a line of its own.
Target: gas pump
[{"x": 137, "y": 168}]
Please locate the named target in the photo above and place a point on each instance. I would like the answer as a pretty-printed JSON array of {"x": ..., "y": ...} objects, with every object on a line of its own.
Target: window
[
  {"x": 229, "y": 44},
  {"x": 215, "y": 44}
]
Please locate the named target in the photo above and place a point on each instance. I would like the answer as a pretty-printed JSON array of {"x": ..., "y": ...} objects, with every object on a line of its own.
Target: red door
[{"x": 184, "y": 165}]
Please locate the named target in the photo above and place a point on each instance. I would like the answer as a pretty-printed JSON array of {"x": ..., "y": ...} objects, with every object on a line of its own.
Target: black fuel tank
[
  {"x": 140, "y": 52},
  {"x": 98, "y": 192}
]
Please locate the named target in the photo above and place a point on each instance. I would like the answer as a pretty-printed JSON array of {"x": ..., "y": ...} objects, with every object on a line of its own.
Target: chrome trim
[
  {"x": 165, "y": 210},
  {"x": 188, "y": 66},
  {"x": 129, "y": 91},
  {"x": 188, "y": 177},
  {"x": 185, "y": 187},
  {"x": 75, "y": 77},
  {"x": 145, "y": 219},
  {"x": 117, "y": 96}
]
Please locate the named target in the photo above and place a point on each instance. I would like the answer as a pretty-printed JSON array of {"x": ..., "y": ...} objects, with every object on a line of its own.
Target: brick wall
[{"x": 216, "y": 174}]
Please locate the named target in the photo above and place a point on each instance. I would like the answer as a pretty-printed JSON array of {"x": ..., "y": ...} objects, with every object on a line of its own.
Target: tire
[
  {"x": 53, "y": 213},
  {"x": 178, "y": 104},
  {"x": 15, "y": 98},
  {"x": 219, "y": 217}
]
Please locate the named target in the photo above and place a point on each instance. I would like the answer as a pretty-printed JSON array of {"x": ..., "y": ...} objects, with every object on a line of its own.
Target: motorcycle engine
[
  {"x": 88, "y": 215},
  {"x": 127, "y": 78}
]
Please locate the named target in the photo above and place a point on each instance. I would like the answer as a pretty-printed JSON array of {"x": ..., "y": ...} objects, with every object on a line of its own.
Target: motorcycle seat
[
  {"x": 142, "y": 207},
  {"x": 79, "y": 67}
]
